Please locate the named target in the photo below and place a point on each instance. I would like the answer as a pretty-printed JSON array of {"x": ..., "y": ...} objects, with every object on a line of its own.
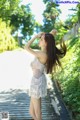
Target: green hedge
[{"x": 69, "y": 77}]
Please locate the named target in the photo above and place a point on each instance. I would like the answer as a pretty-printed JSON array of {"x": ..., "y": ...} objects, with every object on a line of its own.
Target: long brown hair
[{"x": 53, "y": 52}]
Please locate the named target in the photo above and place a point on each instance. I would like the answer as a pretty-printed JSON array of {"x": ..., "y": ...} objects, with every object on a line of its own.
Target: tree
[
  {"x": 70, "y": 22},
  {"x": 7, "y": 42},
  {"x": 74, "y": 18},
  {"x": 50, "y": 15},
  {"x": 19, "y": 16},
  {"x": 23, "y": 20},
  {"x": 61, "y": 28},
  {"x": 38, "y": 27},
  {"x": 7, "y": 8},
  {"x": 78, "y": 12}
]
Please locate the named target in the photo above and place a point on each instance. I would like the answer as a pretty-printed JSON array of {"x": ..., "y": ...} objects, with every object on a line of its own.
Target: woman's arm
[
  {"x": 27, "y": 46},
  {"x": 29, "y": 49}
]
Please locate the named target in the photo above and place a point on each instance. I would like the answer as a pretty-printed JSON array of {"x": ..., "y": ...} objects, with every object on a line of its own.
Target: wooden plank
[{"x": 16, "y": 102}]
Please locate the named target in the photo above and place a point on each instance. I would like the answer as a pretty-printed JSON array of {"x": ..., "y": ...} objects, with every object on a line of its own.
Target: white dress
[{"x": 38, "y": 86}]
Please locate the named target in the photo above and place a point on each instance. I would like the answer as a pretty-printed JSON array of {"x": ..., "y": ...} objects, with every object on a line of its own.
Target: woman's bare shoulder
[
  {"x": 43, "y": 54},
  {"x": 43, "y": 57}
]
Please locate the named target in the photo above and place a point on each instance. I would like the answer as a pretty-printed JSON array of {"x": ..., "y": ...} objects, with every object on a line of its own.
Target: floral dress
[{"x": 38, "y": 87}]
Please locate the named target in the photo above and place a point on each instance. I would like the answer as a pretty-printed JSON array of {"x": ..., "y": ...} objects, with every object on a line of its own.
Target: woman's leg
[
  {"x": 37, "y": 108},
  {"x": 31, "y": 110}
]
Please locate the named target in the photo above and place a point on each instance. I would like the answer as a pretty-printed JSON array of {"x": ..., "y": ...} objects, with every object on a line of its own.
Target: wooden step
[{"x": 16, "y": 102}]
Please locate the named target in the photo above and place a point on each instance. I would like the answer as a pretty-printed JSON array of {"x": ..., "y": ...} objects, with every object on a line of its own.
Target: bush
[
  {"x": 69, "y": 77},
  {"x": 7, "y": 42}
]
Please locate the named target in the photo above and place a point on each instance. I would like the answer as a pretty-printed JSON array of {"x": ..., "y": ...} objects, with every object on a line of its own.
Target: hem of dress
[
  {"x": 37, "y": 97},
  {"x": 30, "y": 94}
]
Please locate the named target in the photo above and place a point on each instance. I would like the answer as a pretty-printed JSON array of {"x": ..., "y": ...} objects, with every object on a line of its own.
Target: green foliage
[
  {"x": 69, "y": 77},
  {"x": 7, "y": 42},
  {"x": 70, "y": 22},
  {"x": 7, "y": 8},
  {"x": 35, "y": 46},
  {"x": 78, "y": 12},
  {"x": 50, "y": 14},
  {"x": 19, "y": 16},
  {"x": 23, "y": 20},
  {"x": 61, "y": 28},
  {"x": 38, "y": 27},
  {"x": 73, "y": 18}
]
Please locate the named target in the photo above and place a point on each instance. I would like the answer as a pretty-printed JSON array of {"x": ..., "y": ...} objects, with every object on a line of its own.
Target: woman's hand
[
  {"x": 53, "y": 32},
  {"x": 39, "y": 35},
  {"x": 27, "y": 46}
]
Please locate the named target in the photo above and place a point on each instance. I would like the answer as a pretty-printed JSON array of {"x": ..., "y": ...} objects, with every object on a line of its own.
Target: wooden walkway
[{"x": 16, "y": 102}]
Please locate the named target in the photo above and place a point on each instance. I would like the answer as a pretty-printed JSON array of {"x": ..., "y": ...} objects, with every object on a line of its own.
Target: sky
[
  {"x": 37, "y": 7},
  {"x": 65, "y": 10}
]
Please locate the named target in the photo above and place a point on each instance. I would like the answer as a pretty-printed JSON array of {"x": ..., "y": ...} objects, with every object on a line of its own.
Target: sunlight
[
  {"x": 65, "y": 10},
  {"x": 37, "y": 7},
  {"x": 15, "y": 70}
]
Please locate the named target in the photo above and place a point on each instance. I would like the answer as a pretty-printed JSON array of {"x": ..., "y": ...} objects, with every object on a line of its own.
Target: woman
[{"x": 45, "y": 60}]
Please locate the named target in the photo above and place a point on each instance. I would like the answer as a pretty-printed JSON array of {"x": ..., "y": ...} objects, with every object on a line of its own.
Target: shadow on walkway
[{"x": 16, "y": 102}]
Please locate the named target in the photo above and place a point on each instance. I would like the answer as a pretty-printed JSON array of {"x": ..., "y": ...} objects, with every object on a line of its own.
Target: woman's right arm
[
  {"x": 29, "y": 49},
  {"x": 27, "y": 46}
]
